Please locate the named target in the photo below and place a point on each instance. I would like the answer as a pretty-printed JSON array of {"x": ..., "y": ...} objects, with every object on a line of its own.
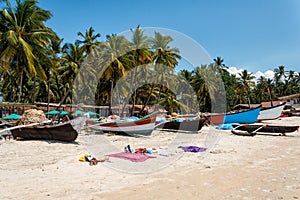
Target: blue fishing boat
[{"x": 243, "y": 117}]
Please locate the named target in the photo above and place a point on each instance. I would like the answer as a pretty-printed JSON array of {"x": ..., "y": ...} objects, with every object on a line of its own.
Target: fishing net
[{"x": 32, "y": 116}]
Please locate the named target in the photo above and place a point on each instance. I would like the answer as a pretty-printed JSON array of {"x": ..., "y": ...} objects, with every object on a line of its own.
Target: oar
[{"x": 264, "y": 125}]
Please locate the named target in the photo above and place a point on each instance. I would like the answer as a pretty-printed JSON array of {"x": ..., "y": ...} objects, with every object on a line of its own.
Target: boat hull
[
  {"x": 244, "y": 117},
  {"x": 192, "y": 126},
  {"x": 62, "y": 132},
  {"x": 249, "y": 129},
  {"x": 143, "y": 126},
  {"x": 271, "y": 113}
]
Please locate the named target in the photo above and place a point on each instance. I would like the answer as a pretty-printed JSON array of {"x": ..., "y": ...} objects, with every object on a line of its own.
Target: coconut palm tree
[
  {"x": 219, "y": 62},
  {"x": 115, "y": 59},
  {"x": 71, "y": 60},
  {"x": 163, "y": 56},
  {"x": 279, "y": 73},
  {"x": 89, "y": 40},
  {"x": 141, "y": 55},
  {"x": 205, "y": 83},
  {"x": 245, "y": 84},
  {"x": 24, "y": 38}
]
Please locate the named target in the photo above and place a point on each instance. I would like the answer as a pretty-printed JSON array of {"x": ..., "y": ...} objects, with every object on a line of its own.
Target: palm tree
[
  {"x": 245, "y": 84},
  {"x": 115, "y": 59},
  {"x": 205, "y": 84},
  {"x": 71, "y": 60},
  {"x": 24, "y": 38},
  {"x": 141, "y": 55},
  {"x": 263, "y": 89},
  {"x": 279, "y": 73},
  {"x": 291, "y": 75},
  {"x": 186, "y": 74},
  {"x": 163, "y": 56},
  {"x": 89, "y": 40},
  {"x": 219, "y": 62}
]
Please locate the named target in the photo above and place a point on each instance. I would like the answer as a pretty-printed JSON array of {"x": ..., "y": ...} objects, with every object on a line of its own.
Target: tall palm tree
[
  {"x": 186, "y": 74},
  {"x": 219, "y": 62},
  {"x": 141, "y": 55},
  {"x": 245, "y": 84},
  {"x": 115, "y": 59},
  {"x": 89, "y": 40},
  {"x": 279, "y": 73},
  {"x": 205, "y": 84},
  {"x": 72, "y": 58},
  {"x": 291, "y": 75},
  {"x": 163, "y": 56},
  {"x": 24, "y": 38}
]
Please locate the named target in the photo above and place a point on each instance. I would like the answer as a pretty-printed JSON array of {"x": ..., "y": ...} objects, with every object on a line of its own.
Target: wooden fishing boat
[
  {"x": 192, "y": 125},
  {"x": 62, "y": 131},
  {"x": 252, "y": 129},
  {"x": 242, "y": 117},
  {"x": 273, "y": 112},
  {"x": 141, "y": 126}
]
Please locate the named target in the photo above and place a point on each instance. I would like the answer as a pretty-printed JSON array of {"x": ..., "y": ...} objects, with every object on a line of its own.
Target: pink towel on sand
[{"x": 134, "y": 157}]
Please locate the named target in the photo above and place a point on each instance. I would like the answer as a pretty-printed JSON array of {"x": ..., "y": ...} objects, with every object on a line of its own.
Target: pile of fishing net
[{"x": 32, "y": 116}]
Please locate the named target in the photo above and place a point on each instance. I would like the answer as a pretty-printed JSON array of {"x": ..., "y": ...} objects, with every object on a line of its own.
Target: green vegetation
[{"x": 33, "y": 57}]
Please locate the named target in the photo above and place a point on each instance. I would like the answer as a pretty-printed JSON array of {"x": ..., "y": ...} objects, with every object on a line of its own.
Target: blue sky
[{"x": 257, "y": 35}]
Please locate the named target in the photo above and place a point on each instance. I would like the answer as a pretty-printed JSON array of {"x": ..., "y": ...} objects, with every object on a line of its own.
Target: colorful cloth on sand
[
  {"x": 225, "y": 127},
  {"x": 192, "y": 149},
  {"x": 134, "y": 157}
]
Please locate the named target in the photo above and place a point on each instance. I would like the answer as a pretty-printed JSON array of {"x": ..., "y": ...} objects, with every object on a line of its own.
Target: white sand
[{"x": 233, "y": 167}]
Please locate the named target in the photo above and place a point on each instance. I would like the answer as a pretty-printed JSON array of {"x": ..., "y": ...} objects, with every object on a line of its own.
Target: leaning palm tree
[{"x": 24, "y": 38}]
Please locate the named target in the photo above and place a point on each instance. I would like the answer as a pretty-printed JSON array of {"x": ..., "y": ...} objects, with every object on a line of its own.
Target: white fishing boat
[{"x": 273, "y": 112}]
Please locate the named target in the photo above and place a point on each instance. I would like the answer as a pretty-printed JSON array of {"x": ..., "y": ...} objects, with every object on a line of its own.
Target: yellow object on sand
[
  {"x": 174, "y": 114},
  {"x": 82, "y": 158}
]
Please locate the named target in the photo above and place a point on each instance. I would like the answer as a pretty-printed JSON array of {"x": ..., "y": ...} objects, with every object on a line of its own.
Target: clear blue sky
[{"x": 249, "y": 34}]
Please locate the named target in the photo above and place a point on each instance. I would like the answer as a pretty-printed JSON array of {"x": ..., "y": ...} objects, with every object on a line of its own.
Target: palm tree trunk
[
  {"x": 20, "y": 86},
  {"x": 134, "y": 91},
  {"x": 111, "y": 91},
  {"x": 34, "y": 89}
]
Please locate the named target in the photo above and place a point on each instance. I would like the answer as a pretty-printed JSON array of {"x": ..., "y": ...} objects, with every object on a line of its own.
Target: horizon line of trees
[{"x": 35, "y": 65}]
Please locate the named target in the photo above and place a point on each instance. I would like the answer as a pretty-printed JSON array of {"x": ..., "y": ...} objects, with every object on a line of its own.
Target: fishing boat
[
  {"x": 189, "y": 124},
  {"x": 270, "y": 113},
  {"x": 243, "y": 117},
  {"x": 62, "y": 132},
  {"x": 252, "y": 129},
  {"x": 140, "y": 126}
]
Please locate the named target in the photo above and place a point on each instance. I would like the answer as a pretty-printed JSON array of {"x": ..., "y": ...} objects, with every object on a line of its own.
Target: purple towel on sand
[
  {"x": 134, "y": 157},
  {"x": 192, "y": 149}
]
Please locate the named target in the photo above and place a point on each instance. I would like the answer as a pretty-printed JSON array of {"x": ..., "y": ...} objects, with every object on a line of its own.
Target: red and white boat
[{"x": 140, "y": 126}]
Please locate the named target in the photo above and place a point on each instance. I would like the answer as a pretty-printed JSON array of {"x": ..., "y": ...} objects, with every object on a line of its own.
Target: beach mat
[{"x": 134, "y": 157}]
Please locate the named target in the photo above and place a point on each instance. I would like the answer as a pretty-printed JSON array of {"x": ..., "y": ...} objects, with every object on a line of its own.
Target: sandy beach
[{"x": 232, "y": 167}]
